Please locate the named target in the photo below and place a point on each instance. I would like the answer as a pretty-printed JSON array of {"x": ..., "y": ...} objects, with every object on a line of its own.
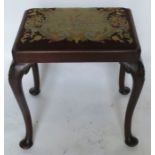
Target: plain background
[{"x": 79, "y": 110}]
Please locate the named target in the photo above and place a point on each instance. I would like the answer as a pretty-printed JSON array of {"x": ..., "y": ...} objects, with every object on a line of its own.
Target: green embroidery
[{"x": 77, "y": 24}]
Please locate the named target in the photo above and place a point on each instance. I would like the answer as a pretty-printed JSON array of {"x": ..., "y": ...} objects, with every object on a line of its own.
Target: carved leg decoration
[
  {"x": 36, "y": 89},
  {"x": 137, "y": 72},
  {"x": 16, "y": 73},
  {"x": 122, "y": 88}
]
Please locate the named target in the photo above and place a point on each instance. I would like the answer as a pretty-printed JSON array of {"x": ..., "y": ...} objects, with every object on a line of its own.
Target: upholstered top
[
  {"x": 76, "y": 25},
  {"x": 75, "y": 35}
]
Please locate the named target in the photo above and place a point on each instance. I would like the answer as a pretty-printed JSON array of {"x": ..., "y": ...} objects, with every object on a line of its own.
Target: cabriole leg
[
  {"x": 122, "y": 88},
  {"x": 137, "y": 72},
  {"x": 16, "y": 73},
  {"x": 36, "y": 89}
]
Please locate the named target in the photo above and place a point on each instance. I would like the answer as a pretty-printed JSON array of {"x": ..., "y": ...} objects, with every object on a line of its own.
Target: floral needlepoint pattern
[{"x": 76, "y": 25}]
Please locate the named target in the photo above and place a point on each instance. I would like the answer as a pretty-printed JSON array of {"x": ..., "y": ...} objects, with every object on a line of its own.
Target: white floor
[{"x": 78, "y": 112}]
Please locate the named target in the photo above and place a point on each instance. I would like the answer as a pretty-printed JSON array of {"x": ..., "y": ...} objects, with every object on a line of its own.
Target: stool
[{"x": 49, "y": 35}]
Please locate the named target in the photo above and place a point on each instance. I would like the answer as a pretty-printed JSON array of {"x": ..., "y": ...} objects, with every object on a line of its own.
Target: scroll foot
[
  {"x": 26, "y": 143},
  {"x": 131, "y": 141}
]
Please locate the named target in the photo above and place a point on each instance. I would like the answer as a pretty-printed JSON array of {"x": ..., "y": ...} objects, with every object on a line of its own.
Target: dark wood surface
[{"x": 28, "y": 55}]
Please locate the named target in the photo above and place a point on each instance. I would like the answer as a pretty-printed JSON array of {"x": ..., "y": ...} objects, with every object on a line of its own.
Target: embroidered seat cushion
[{"x": 76, "y": 25}]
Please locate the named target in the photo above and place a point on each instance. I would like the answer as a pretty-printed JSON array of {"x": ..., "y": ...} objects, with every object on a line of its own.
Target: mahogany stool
[{"x": 49, "y": 35}]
